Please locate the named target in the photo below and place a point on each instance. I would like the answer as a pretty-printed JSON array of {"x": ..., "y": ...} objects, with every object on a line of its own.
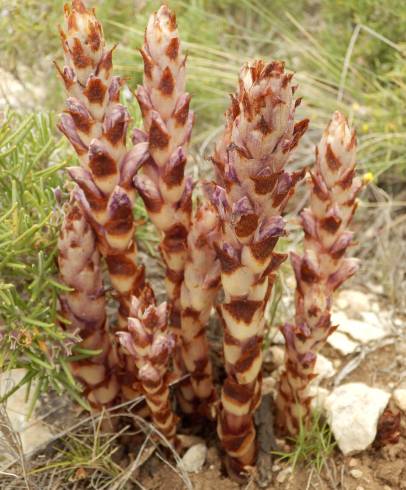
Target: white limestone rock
[
  {"x": 323, "y": 369},
  {"x": 319, "y": 396},
  {"x": 277, "y": 354},
  {"x": 194, "y": 458},
  {"x": 33, "y": 432},
  {"x": 342, "y": 343},
  {"x": 362, "y": 331},
  {"x": 353, "y": 411},
  {"x": 353, "y": 300},
  {"x": 399, "y": 396}
]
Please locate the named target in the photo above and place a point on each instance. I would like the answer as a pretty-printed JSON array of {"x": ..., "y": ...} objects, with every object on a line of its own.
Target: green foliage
[
  {"x": 386, "y": 18},
  {"x": 33, "y": 185},
  {"x": 358, "y": 70},
  {"x": 30, "y": 173},
  {"x": 312, "y": 446},
  {"x": 333, "y": 75}
]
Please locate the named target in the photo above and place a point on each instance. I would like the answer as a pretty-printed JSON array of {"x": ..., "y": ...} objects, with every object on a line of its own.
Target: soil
[
  {"x": 380, "y": 469},
  {"x": 374, "y": 469}
]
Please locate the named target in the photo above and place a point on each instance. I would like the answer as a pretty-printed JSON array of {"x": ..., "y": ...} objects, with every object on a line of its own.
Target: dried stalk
[
  {"x": 252, "y": 190},
  {"x": 321, "y": 269},
  {"x": 149, "y": 343},
  {"x": 96, "y": 123},
  {"x": 199, "y": 289},
  {"x": 162, "y": 183},
  {"x": 85, "y": 308}
]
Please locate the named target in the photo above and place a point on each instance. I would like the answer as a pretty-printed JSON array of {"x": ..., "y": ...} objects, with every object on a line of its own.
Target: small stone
[
  {"x": 194, "y": 458},
  {"x": 376, "y": 288},
  {"x": 278, "y": 338},
  {"x": 276, "y": 468},
  {"x": 19, "y": 95},
  {"x": 278, "y": 354},
  {"x": 353, "y": 462},
  {"x": 361, "y": 331},
  {"x": 268, "y": 385},
  {"x": 357, "y": 474},
  {"x": 342, "y": 343},
  {"x": 387, "y": 487},
  {"x": 323, "y": 369},
  {"x": 355, "y": 301},
  {"x": 399, "y": 396},
  {"x": 283, "y": 475},
  {"x": 353, "y": 411},
  {"x": 360, "y": 488},
  {"x": 319, "y": 395},
  {"x": 33, "y": 432}
]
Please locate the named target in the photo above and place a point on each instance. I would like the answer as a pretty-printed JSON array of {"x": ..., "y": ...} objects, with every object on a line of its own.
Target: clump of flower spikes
[
  {"x": 149, "y": 344},
  {"x": 322, "y": 268},
  {"x": 252, "y": 189}
]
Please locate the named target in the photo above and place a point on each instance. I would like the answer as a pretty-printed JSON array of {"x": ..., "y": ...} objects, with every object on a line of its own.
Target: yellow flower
[{"x": 367, "y": 178}]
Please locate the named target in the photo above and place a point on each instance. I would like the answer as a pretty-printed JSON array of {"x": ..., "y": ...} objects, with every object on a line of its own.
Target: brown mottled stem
[
  {"x": 161, "y": 183},
  {"x": 252, "y": 189},
  {"x": 322, "y": 268},
  {"x": 96, "y": 123},
  {"x": 199, "y": 289},
  {"x": 85, "y": 308},
  {"x": 149, "y": 344}
]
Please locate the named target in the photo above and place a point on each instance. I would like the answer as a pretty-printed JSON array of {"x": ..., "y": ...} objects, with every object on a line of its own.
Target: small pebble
[
  {"x": 283, "y": 475},
  {"x": 357, "y": 474},
  {"x": 194, "y": 458},
  {"x": 353, "y": 462},
  {"x": 387, "y": 487},
  {"x": 360, "y": 488},
  {"x": 400, "y": 398},
  {"x": 278, "y": 354},
  {"x": 276, "y": 468},
  {"x": 268, "y": 385}
]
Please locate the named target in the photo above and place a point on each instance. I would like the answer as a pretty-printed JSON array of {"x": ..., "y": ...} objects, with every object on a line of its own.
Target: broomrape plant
[
  {"x": 322, "y": 268},
  {"x": 226, "y": 244},
  {"x": 252, "y": 189}
]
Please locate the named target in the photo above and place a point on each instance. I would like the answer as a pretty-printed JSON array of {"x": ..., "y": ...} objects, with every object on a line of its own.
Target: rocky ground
[{"x": 361, "y": 374}]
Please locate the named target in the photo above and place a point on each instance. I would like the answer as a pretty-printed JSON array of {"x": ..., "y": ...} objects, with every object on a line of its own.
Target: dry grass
[{"x": 88, "y": 454}]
